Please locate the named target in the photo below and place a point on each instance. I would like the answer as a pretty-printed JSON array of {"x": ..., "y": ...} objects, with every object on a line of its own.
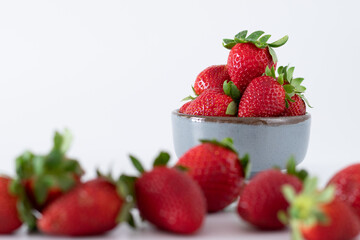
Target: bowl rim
[{"x": 269, "y": 121}]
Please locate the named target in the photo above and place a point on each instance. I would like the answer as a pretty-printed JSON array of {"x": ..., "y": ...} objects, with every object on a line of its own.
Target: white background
[{"x": 112, "y": 72}]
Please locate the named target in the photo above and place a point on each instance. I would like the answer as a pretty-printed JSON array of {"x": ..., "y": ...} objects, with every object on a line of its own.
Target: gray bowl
[{"x": 269, "y": 141}]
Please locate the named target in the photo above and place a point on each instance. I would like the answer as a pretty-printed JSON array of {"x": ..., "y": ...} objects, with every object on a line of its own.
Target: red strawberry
[
  {"x": 216, "y": 102},
  {"x": 9, "y": 217},
  {"x": 347, "y": 184},
  {"x": 264, "y": 97},
  {"x": 268, "y": 96},
  {"x": 295, "y": 108},
  {"x": 89, "y": 209},
  {"x": 316, "y": 215},
  {"x": 47, "y": 177},
  {"x": 212, "y": 77},
  {"x": 184, "y": 107},
  {"x": 218, "y": 170},
  {"x": 169, "y": 198},
  {"x": 249, "y": 56},
  {"x": 262, "y": 199}
]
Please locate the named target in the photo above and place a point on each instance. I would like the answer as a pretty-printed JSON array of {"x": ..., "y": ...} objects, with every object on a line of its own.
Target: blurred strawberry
[
  {"x": 317, "y": 215},
  {"x": 216, "y": 167},
  {"x": 262, "y": 199},
  {"x": 249, "y": 56},
  {"x": 9, "y": 217},
  {"x": 169, "y": 198},
  {"x": 46, "y": 177},
  {"x": 91, "y": 208},
  {"x": 347, "y": 185},
  {"x": 212, "y": 77}
]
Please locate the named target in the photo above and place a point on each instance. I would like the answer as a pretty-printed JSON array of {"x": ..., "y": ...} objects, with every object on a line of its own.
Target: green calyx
[
  {"x": 257, "y": 40},
  {"x": 161, "y": 160},
  {"x": 24, "y": 207},
  {"x": 51, "y": 170},
  {"x": 305, "y": 207},
  {"x": 190, "y": 98},
  {"x": 229, "y": 144},
  {"x": 292, "y": 86},
  {"x": 232, "y": 91},
  {"x": 291, "y": 170}
]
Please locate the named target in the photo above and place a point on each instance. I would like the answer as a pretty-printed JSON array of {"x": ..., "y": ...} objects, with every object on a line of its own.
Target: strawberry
[
  {"x": 91, "y": 208},
  {"x": 169, "y": 198},
  {"x": 46, "y": 177},
  {"x": 249, "y": 56},
  {"x": 212, "y": 77},
  {"x": 347, "y": 184},
  {"x": 296, "y": 107},
  {"x": 216, "y": 167},
  {"x": 268, "y": 95},
  {"x": 317, "y": 215},
  {"x": 216, "y": 102},
  {"x": 9, "y": 217},
  {"x": 184, "y": 107},
  {"x": 262, "y": 199}
]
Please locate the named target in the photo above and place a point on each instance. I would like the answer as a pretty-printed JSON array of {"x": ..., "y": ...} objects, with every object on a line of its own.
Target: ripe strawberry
[
  {"x": 268, "y": 95},
  {"x": 295, "y": 108},
  {"x": 262, "y": 199},
  {"x": 249, "y": 56},
  {"x": 347, "y": 184},
  {"x": 184, "y": 107},
  {"x": 168, "y": 198},
  {"x": 47, "y": 177},
  {"x": 316, "y": 215},
  {"x": 216, "y": 102},
  {"x": 90, "y": 208},
  {"x": 216, "y": 167},
  {"x": 264, "y": 97},
  {"x": 9, "y": 217},
  {"x": 212, "y": 77}
]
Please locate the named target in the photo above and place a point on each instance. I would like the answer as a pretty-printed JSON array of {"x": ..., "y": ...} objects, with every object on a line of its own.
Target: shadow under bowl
[{"x": 268, "y": 141}]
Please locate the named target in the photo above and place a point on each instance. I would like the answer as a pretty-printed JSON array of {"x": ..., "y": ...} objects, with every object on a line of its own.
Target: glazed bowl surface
[{"x": 268, "y": 141}]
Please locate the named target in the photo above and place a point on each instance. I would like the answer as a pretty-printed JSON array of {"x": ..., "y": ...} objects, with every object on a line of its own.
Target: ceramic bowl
[{"x": 268, "y": 141}]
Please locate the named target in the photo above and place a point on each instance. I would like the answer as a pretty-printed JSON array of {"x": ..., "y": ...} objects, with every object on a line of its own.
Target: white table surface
[{"x": 223, "y": 225}]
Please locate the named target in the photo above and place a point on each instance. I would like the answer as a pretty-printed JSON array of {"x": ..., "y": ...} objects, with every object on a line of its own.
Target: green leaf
[
  {"x": 288, "y": 192},
  {"x": 41, "y": 189},
  {"x": 273, "y": 74},
  {"x": 273, "y": 54},
  {"x": 267, "y": 71},
  {"x": 65, "y": 182},
  {"x": 241, "y": 35},
  {"x": 283, "y": 218},
  {"x": 279, "y": 42},
  {"x": 67, "y": 140},
  {"x": 280, "y": 70},
  {"x": 126, "y": 186},
  {"x": 300, "y": 89},
  {"x": 310, "y": 185},
  {"x": 232, "y": 109},
  {"x": 229, "y": 45},
  {"x": 246, "y": 165},
  {"x": 280, "y": 79},
  {"x": 290, "y": 73},
  {"x": 162, "y": 159},
  {"x": 327, "y": 195},
  {"x": 231, "y": 90},
  {"x": 137, "y": 164},
  {"x": 289, "y": 88},
  {"x": 227, "y": 41},
  {"x": 264, "y": 38},
  {"x": 125, "y": 212},
  {"x": 254, "y": 36},
  {"x": 306, "y": 101},
  {"x": 188, "y": 98},
  {"x": 297, "y": 82}
]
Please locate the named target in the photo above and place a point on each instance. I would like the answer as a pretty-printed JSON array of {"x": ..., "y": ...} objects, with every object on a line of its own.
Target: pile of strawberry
[
  {"x": 49, "y": 195},
  {"x": 247, "y": 86}
]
